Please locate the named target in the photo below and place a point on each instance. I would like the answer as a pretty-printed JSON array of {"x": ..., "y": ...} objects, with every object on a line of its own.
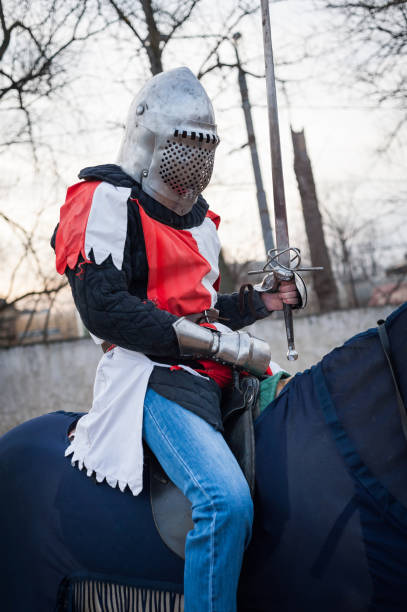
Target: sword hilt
[{"x": 276, "y": 271}]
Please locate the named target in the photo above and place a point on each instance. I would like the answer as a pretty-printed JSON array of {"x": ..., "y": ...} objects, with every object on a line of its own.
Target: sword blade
[{"x": 280, "y": 209}]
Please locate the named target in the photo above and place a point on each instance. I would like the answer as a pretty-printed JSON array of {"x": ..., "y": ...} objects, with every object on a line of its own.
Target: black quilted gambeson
[{"x": 113, "y": 303}]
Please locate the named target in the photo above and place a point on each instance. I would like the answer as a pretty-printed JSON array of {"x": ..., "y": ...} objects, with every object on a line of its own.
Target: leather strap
[
  {"x": 208, "y": 316},
  {"x": 384, "y": 339}
]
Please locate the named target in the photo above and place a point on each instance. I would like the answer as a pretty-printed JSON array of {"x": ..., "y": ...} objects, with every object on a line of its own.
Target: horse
[{"x": 330, "y": 527}]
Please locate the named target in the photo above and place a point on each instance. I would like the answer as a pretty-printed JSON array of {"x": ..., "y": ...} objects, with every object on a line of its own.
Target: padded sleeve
[
  {"x": 110, "y": 312},
  {"x": 241, "y": 309}
]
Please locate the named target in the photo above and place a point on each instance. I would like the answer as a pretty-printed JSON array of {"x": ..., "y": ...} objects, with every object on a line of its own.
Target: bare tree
[
  {"x": 345, "y": 254},
  {"x": 47, "y": 285},
  {"x": 154, "y": 24},
  {"x": 251, "y": 141},
  {"x": 36, "y": 45},
  {"x": 151, "y": 24},
  {"x": 324, "y": 282},
  {"x": 375, "y": 34},
  {"x": 358, "y": 244}
]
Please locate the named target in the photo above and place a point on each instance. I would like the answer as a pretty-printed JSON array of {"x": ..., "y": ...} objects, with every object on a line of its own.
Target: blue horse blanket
[{"x": 331, "y": 475}]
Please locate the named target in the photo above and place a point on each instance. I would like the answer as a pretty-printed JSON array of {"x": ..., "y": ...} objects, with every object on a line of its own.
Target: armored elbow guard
[{"x": 239, "y": 349}]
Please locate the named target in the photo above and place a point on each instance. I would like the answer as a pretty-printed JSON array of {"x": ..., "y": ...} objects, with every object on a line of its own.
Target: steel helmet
[{"x": 170, "y": 139}]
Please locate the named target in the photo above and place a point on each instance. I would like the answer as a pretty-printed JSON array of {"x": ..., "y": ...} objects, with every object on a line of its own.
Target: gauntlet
[{"x": 239, "y": 348}]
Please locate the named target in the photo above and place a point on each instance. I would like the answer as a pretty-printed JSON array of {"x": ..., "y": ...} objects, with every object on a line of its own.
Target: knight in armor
[{"x": 139, "y": 246}]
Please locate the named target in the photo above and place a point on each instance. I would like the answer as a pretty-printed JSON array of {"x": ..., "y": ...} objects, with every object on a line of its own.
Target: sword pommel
[{"x": 292, "y": 354}]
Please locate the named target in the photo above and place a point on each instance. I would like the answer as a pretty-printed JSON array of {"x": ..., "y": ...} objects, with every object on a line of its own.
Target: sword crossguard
[
  {"x": 275, "y": 271},
  {"x": 273, "y": 263}
]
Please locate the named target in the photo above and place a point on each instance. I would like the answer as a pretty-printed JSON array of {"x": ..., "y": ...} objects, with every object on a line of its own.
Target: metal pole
[{"x": 261, "y": 194}]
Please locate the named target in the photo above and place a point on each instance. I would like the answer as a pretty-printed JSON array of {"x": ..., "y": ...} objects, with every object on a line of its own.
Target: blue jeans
[{"x": 197, "y": 459}]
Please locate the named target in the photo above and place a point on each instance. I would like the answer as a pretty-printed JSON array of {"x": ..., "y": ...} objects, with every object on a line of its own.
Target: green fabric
[{"x": 268, "y": 388}]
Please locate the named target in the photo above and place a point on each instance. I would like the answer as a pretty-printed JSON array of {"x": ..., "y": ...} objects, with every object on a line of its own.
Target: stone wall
[{"x": 41, "y": 378}]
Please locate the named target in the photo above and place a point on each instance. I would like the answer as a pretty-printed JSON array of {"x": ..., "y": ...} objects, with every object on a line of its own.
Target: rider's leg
[{"x": 198, "y": 460}]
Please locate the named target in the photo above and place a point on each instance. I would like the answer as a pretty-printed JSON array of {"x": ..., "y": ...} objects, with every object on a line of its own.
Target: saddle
[{"x": 170, "y": 508}]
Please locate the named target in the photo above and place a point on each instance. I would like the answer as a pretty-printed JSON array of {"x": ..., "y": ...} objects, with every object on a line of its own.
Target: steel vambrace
[{"x": 238, "y": 348}]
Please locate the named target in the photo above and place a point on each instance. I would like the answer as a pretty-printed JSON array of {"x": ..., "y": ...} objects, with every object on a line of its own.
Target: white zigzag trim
[{"x": 135, "y": 486}]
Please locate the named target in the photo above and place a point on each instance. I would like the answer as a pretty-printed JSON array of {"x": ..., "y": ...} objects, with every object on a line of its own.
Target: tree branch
[{"x": 28, "y": 294}]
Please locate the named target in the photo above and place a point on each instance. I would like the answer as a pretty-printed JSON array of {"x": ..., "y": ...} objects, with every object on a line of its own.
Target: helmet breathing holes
[{"x": 186, "y": 169}]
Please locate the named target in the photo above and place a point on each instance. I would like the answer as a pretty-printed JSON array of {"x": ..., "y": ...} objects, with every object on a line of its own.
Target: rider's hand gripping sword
[{"x": 280, "y": 265}]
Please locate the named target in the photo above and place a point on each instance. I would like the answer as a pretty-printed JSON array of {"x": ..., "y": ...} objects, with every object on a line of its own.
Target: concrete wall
[
  {"x": 316, "y": 335},
  {"x": 42, "y": 378}
]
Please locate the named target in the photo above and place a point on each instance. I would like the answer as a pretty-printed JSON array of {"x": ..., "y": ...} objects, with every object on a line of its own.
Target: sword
[
  {"x": 280, "y": 210},
  {"x": 283, "y": 262}
]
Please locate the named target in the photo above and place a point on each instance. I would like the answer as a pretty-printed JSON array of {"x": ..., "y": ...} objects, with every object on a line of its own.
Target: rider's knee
[
  {"x": 227, "y": 501},
  {"x": 235, "y": 505}
]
